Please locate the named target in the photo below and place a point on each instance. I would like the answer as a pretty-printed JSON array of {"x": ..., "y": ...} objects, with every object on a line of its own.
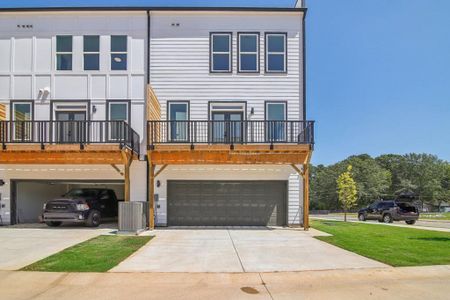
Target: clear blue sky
[{"x": 378, "y": 72}]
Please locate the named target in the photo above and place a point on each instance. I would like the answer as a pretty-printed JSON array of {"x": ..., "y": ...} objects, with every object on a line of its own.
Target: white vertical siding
[
  {"x": 28, "y": 55},
  {"x": 180, "y": 61}
]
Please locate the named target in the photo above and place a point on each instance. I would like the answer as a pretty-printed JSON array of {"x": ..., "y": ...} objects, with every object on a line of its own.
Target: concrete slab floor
[
  {"x": 240, "y": 250},
  {"x": 386, "y": 283},
  {"x": 20, "y": 247}
]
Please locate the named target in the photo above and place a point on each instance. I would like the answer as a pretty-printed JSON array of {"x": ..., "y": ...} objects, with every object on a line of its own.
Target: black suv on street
[
  {"x": 388, "y": 211},
  {"x": 81, "y": 205}
]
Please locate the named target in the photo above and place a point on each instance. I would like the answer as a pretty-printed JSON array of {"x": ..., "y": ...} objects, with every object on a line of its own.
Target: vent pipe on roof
[{"x": 300, "y": 3}]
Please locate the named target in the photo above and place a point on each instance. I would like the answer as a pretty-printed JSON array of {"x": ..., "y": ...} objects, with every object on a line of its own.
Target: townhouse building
[{"x": 201, "y": 111}]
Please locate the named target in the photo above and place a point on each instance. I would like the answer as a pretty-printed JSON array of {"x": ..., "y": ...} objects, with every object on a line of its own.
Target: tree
[
  {"x": 372, "y": 180},
  {"x": 346, "y": 188}
]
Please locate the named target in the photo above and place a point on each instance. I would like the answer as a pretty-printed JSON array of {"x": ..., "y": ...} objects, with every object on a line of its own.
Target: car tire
[
  {"x": 53, "y": 224},
  {"x": 94, "y": 219},
  {"x": 361, "y": 217},
  {"x": 410, "y": 222},
  {"x": 387, "y": 218}
]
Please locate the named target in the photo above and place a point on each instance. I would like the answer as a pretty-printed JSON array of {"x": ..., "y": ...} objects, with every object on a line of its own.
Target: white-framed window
[
  {"x": 91, "y": 52},
  {"x": 276, "y": 52},
  {"x": 178, "y": 113},
  {"x": 220, "y": 49},
  {"x": 118, "y": 111},
  {"x": 119, "y": 52},
  {"x": 22, "y": 115},
  {"x": 276, "y": 116},
  {"x": 64, "y": 49},
  {"x": 248, "y": 57}
]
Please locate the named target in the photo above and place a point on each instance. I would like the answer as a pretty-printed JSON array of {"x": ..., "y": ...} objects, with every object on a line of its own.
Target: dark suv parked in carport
[
  {"x": 81, "y": 205},
  {"x": 389, "y": 211}
]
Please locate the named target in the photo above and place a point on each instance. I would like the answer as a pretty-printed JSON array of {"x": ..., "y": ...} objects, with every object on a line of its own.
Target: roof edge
[{"x": 142, "y": 8}]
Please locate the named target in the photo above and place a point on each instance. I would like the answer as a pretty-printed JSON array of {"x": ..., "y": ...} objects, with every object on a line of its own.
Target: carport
[{"x": 28, "y": 196}]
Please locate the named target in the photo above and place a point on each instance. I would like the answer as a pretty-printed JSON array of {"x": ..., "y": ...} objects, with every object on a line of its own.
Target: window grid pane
[
  {"x": 63, "y": 43},
  {"x": 91, "y": 43},
  {"x": 221, "y": 52},
  {"x": 248, "y": 52},
  {"x": 118, "y": 112},
  {"x": 119, "y": 53},
  {"x": 118, "y": 43},
  {"x": 276, "y": 53},
  {"x": 63, "y": 52}
]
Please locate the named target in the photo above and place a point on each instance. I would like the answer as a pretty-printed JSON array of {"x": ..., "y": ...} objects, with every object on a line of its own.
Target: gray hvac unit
[{"x": 132, "y": 216}]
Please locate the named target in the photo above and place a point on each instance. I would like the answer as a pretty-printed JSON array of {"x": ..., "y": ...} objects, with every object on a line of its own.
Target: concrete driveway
[
  {"x": 20, "y": 247},
  {"x": 239, "y": 250}
]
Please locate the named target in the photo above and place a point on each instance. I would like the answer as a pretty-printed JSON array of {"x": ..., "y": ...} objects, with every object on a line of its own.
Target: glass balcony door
[
  {"x": 227, "y": 127},
  {"x": 70, "y": 129}
]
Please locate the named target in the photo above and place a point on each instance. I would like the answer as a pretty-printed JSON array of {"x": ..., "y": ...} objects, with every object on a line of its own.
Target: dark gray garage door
[{"x": 226, "y": 203}]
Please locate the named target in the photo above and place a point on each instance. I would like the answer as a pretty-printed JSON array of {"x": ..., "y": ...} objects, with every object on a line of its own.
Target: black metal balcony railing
[
  {"x": 69, "y": 132},
  {"x": 230, "y": 132}
]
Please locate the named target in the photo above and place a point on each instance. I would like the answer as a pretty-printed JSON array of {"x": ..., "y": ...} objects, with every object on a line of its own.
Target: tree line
[{"x": 423, "y": 178}]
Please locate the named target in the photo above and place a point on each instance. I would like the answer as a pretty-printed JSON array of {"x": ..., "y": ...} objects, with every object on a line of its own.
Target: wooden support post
[
  {"x": 151, "y": 195},
  {"x": 160, "y": 170},
  {"x": 306, "y": 196},
  {"x": 127, "y": 160}
]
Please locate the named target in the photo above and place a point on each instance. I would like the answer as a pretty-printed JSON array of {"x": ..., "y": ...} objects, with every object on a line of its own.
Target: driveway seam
[
  {"x": 265, "y": 286},
  {"x": 235, "y": 250}
]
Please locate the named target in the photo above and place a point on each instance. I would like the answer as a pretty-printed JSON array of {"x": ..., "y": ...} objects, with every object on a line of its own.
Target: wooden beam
[
  {"x": 237, "y": 147},
  {"x": 63, "y": 147},
  {"x": 151, "y": 195},
  {"x": 117, "y": 169},
  {"x": 160, "y": 170},
  {"x": 225, "y": 157},
  {"x": 306, "y": 197},
  {"x": 61, "y": 157},
  {"x": 127, "y": 160},
  {"x": 306, "y": 192},
  {"x": 300, "y": 172}
]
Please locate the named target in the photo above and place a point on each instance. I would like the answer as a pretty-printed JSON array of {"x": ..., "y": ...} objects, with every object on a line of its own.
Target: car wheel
[
  {"x": 93, "y": 219},
  {"x": 387, "y": 218},
  {"x": 53, "y": 224},
  {"x": 361, "y": 217},
  {"x": 411, "y": 222}
]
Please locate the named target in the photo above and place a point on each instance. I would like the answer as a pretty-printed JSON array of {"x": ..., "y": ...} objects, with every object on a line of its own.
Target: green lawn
[
  {"x": 395, "y": 246},
  {"x": 99, "y": 254},
  {"x": 435, "y": 216}
]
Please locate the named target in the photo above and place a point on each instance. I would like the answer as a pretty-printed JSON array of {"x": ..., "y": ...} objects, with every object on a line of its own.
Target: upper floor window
[
  {"x": 220, "y": 44},
  {"x": 118, "y": 52},
  {"x": 276, "y": 52},
  {"x": 64, "y": 52},
  {"x": 248, "y": 52},
  {"x": 91, "y": 49}
]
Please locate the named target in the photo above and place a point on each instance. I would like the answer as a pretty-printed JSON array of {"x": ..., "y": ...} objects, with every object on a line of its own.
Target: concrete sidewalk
[
  {"x": 386, "y": 283},
  {"x": 20, "y": 247}
]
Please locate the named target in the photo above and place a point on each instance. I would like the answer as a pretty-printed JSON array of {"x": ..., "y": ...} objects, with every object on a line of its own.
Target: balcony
[
  {"x": 82, "y": 133},
  {"x": 230, "y": 132}
]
